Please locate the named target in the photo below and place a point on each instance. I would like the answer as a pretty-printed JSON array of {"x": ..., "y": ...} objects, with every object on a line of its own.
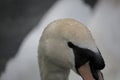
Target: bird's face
[
  {"x": 87, "y": 63},
  {"x": 69, "y": 44},
  {"x": 88, "y": 60}
]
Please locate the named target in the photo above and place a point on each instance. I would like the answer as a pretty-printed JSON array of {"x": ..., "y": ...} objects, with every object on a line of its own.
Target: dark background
[{"x": 17, "y": 19}]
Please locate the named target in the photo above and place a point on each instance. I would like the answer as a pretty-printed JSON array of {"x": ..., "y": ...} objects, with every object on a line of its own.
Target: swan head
[{"x": 67, "y": 44}]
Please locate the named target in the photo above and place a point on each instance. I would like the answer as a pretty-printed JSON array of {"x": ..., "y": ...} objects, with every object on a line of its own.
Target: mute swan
[{"x": 67, "y": 44}]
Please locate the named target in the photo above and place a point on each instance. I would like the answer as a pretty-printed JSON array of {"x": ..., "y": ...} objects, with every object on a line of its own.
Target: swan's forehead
[{"x": 74, "y": 31}]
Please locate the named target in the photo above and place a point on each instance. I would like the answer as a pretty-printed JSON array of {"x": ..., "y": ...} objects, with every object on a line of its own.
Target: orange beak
[{"x": 86, "y": 73}]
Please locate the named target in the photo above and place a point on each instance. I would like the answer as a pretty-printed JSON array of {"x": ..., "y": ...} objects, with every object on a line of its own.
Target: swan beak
[{"x": 86, "y": 73}]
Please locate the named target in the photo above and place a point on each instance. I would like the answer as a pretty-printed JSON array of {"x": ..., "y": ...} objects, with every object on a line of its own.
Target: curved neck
[{"x": 51, "y": 71}]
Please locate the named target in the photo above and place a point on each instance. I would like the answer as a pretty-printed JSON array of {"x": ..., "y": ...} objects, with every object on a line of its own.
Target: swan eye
[
  {"x": 80, "y": 56},
  {"x": 71, "y": 45}
]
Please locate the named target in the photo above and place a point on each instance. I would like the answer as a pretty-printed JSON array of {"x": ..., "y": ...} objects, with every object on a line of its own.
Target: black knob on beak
[
  {"x": 97, "y": 61},
  {"x": 82, "y": 55}
]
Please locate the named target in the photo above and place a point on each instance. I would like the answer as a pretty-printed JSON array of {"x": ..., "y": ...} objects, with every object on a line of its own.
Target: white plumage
[{"x": 55, "y": 57}]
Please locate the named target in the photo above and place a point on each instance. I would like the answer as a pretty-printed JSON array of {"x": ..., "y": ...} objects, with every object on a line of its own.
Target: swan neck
[{"x": 54, "y": 72}]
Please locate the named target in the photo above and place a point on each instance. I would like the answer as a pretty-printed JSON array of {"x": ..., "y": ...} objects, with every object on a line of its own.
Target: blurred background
[
  {"x": 17, "y": 19},
  {"x": 22, "y": 21}
]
